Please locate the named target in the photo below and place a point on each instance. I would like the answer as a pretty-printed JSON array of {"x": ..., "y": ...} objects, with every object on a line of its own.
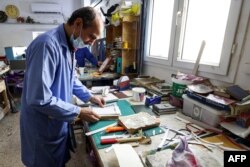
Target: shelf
[
  {"x": 130, "y": 19},
  {"x": 236, "y": 129},
  {"x": 128, "y": 34}
]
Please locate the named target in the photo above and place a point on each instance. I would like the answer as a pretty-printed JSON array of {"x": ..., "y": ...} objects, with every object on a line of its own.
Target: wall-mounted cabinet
[{"x": 122, "y": 44}]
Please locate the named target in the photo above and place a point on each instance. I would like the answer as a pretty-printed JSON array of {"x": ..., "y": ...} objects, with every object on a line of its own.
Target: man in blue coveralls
[
  {"x": 49, "y": 85},
  {"x": 84, "y": 53}
]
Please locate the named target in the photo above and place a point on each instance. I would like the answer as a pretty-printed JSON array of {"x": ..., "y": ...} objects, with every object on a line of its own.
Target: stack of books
[
  {"x": 161, "y": 89},
  {"x": 164, "y": 108}
]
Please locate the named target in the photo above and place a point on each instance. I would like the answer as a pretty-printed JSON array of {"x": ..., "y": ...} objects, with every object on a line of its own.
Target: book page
[
  {"x": 109, "y": 109},
  {"x": 110, "y": 98}
]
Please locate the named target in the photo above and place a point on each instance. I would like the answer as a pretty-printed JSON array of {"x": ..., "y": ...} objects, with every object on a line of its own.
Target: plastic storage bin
[{"x": 201, "y": 112}]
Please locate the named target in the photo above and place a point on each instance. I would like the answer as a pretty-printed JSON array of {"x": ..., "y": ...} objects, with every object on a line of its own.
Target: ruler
[{"x": 100, "y": 129}]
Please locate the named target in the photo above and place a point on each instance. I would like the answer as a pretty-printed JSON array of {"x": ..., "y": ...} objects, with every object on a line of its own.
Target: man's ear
[{"x": 78, "y": 24}]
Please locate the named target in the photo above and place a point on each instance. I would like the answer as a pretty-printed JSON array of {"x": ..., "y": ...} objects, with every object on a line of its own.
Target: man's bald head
[{"x": 87, "y": 14}]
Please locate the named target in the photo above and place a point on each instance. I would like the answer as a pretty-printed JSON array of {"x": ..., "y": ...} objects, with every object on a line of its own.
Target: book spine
[{"x": 208, "y": 102}]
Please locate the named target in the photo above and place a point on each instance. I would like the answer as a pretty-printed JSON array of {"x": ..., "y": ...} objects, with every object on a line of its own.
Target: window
[
  {"x": 178, "y": 28},
  {"x": 161, "y": 30}
]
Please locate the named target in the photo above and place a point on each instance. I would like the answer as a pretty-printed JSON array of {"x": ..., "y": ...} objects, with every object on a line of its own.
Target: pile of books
[
  {"x": 164, "y": 108},
  {"x": 161, "y": 89}
]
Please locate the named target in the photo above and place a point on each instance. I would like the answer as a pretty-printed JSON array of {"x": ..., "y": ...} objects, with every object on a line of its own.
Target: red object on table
[{"x": 109, "y": 141}]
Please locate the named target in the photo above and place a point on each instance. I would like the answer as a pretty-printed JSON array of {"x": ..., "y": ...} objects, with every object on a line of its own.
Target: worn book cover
[
  {"x": 135, "y": 122},
  {"x": 237, "y": 92},
  {"x": 120, "y": 95},
  {"x": 220, "y": 91}
]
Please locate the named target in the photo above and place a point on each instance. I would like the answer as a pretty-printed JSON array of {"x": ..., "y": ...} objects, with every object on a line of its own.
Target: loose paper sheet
[{"x": 127, "y": 156}]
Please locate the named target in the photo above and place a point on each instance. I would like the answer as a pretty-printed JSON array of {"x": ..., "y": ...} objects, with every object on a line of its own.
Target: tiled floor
[{"x": 10, "y": 145}]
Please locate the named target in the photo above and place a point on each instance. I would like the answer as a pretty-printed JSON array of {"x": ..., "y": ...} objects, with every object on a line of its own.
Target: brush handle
[
  {"x": 108, "y": 141},
  {"x": 114, "y": 129}
]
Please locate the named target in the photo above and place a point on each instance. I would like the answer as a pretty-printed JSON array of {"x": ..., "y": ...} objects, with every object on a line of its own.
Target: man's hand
[
  {"x": 99, "y": 63},
  {"x": 97, "y": 100},
  {"x": 88, "y": 115}
]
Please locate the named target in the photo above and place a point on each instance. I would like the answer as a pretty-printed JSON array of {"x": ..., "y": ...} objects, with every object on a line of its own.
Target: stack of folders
[{"x": 164, "y": 108}]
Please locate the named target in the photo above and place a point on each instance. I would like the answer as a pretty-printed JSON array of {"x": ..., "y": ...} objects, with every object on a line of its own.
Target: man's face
[{"x": 90, "y": 34}]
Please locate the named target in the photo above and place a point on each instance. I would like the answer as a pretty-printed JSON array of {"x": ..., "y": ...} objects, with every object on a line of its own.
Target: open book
[{"x": 109, "y": 111}]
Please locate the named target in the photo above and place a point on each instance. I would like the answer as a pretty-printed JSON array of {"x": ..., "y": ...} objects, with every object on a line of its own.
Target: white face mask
[{"x": 77, "y": 43}]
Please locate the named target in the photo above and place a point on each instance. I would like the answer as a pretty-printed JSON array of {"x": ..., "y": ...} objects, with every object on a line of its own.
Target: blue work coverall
[
  {"x": 46, "y": 108},
  {"x": 84, "y": 53}
]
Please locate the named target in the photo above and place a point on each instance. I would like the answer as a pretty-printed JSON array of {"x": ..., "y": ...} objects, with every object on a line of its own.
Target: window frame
[
  {"x": 228, "y": 44},
  {"x": 155, "y": 59},
  {"x": 239, "y": 39}
]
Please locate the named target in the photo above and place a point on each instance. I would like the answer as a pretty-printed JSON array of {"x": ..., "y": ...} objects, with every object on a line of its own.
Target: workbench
[
  {"x": 92, "y": 78},
  {"x": 106, "y": 156}
]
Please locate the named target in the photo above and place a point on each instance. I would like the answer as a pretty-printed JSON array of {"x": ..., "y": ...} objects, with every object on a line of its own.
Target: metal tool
[
  {"x": 163, "y": 140},
  {"x": 100, "y": 129}
]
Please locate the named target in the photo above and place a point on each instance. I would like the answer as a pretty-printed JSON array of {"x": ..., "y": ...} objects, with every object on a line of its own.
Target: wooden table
[{"x": 91, "y": 78}]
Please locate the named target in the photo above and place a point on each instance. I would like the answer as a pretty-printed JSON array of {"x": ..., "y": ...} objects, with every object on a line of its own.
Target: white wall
[
  {"x": 243, "y": 74},
  {"x": 21, "y": 34}
]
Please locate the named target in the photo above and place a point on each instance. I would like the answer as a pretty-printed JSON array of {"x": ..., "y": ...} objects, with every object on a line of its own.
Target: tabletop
[{"x": 106, "y": 156}]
